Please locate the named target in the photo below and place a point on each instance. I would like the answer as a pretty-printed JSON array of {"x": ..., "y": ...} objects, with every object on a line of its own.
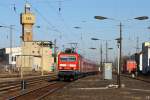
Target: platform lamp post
[
  {"x": 141, "y": 18},
  {"x": 118, "y": 62},
  {"x": 92, "y": 48},
  {"x": 120, "y": 40},
  {"x": 120, "y": 28},
  {"x": 81, "y": 37},
  {"x": 10, "y": 28},
  {"x": 77, "y": 27},
  {"x": 101, "y": 52},
  {"x": 108, "y": 52}
]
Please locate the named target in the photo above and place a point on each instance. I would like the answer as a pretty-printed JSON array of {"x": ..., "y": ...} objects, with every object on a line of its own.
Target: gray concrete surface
[{"x": 95, "y": 88}]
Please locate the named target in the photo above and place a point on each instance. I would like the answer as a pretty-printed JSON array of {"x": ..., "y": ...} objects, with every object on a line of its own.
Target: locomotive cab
[
  {"x": 72, "y": 65},
  {"x": 68, "y": 66}
]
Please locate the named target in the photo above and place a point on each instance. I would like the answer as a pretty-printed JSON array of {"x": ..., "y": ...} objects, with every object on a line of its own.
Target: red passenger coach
[{"x": 72, "y": 65}]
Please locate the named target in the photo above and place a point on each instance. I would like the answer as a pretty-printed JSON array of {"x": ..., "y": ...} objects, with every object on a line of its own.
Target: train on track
[
  {"x": 72, "y": 65},
  {"x": 130, "y": 66}
]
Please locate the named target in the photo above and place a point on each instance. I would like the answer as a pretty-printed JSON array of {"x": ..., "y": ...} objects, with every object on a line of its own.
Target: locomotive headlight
[
  {"x": 63, "y": 65},
  {"x": 72, "y": 65}
]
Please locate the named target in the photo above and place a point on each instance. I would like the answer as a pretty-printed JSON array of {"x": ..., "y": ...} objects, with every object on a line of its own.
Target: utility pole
[
  {"x": 101, "y": 52},
  {"x": 21, "y": 69},
  {"x": 137, "y": 51},
  {"x": 137, "y": 45},
  {"x": 55, "y": 53},
  {"x": 11, "y": 44},
  {"x": 106, "y": 51},
  {"x": 120, "y": 62},
  {"x": 42, "y": 59}
]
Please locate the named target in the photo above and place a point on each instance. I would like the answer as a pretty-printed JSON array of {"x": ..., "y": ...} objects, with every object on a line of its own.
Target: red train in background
[
  {"x": 130, "y": 66},
  {"x": 72, "y": 65}
]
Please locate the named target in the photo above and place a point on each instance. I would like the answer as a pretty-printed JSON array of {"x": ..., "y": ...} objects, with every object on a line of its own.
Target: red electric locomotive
[
  {"x": 72, "y": 65},
  {"x": 130, "y": 66}
]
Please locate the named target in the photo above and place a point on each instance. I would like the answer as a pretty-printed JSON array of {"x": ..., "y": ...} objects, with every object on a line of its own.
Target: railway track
[
  {"x": 36, "y": 89},
  {"x": 4, "y": 85},
  {"x": 11, "y": 87},
  {"x": 39, "y": 93},
  {"x": 137, "y": 78}
]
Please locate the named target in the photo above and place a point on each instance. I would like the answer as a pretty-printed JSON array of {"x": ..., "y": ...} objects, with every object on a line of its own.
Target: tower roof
[{"x": 27, "y": 7}]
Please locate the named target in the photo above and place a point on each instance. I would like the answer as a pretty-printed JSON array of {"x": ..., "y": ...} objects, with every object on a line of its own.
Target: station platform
[{"x": 96, "y": 88}]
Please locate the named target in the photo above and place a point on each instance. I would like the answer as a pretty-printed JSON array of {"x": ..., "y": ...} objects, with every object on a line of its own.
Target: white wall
[
  {"x": 12, "y": 56},
  {"x": 140, "y": 64}
]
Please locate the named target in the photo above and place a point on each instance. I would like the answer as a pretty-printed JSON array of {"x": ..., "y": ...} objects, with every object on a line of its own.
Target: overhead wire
[
  {"x": 51, "y": 26},
  {"x": 59, "y": 13},
  {"x": 65, "y": 24},
  {"x": 49, "y": 5},
  {"x": 47, "y": 21}
]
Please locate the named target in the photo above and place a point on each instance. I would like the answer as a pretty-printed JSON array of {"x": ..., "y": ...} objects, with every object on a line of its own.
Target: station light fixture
[
  {"x": 92, "y": 48},
  {"x": 100, "y": 17},
  {"x": 142, "y": 18},
  {"x": 95, "y": 39}
]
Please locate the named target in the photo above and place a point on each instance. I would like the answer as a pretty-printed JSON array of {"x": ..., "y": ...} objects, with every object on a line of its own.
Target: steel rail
[
  {"x": 34, "y": 91},
  {"x": 16, "y": 84},
  {"x": 136, "y": 78}
]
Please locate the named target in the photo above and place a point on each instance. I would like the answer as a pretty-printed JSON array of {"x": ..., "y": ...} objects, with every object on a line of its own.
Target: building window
[
  {"x": 14, "y": 58},
  {"x": 32, "y": 51}
]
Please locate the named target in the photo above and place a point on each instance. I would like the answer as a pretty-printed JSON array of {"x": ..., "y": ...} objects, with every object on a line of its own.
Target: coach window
[
  {"x": 63, "y": 59},
  {"x": 68, "y": 59},
  {"x": 71, "y": 59}
]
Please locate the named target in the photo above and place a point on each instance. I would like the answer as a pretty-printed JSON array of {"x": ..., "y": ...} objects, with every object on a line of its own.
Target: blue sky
[{"x": 59, "y": 25}]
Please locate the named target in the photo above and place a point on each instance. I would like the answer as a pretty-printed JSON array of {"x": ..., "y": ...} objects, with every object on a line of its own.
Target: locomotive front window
[{"x": 68, "y": 58}]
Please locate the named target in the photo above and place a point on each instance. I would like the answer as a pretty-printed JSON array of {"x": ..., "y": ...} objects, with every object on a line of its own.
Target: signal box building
[{"x": 36, "y": 55}]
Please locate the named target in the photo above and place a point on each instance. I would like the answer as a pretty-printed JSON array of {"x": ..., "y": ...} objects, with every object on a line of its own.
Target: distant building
[
  {"x": 35, "y": 55},
  {"x": 140, "y": 61},
  {"x": 146, "y": 57},
  {"x": 8, "y": 55}
]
